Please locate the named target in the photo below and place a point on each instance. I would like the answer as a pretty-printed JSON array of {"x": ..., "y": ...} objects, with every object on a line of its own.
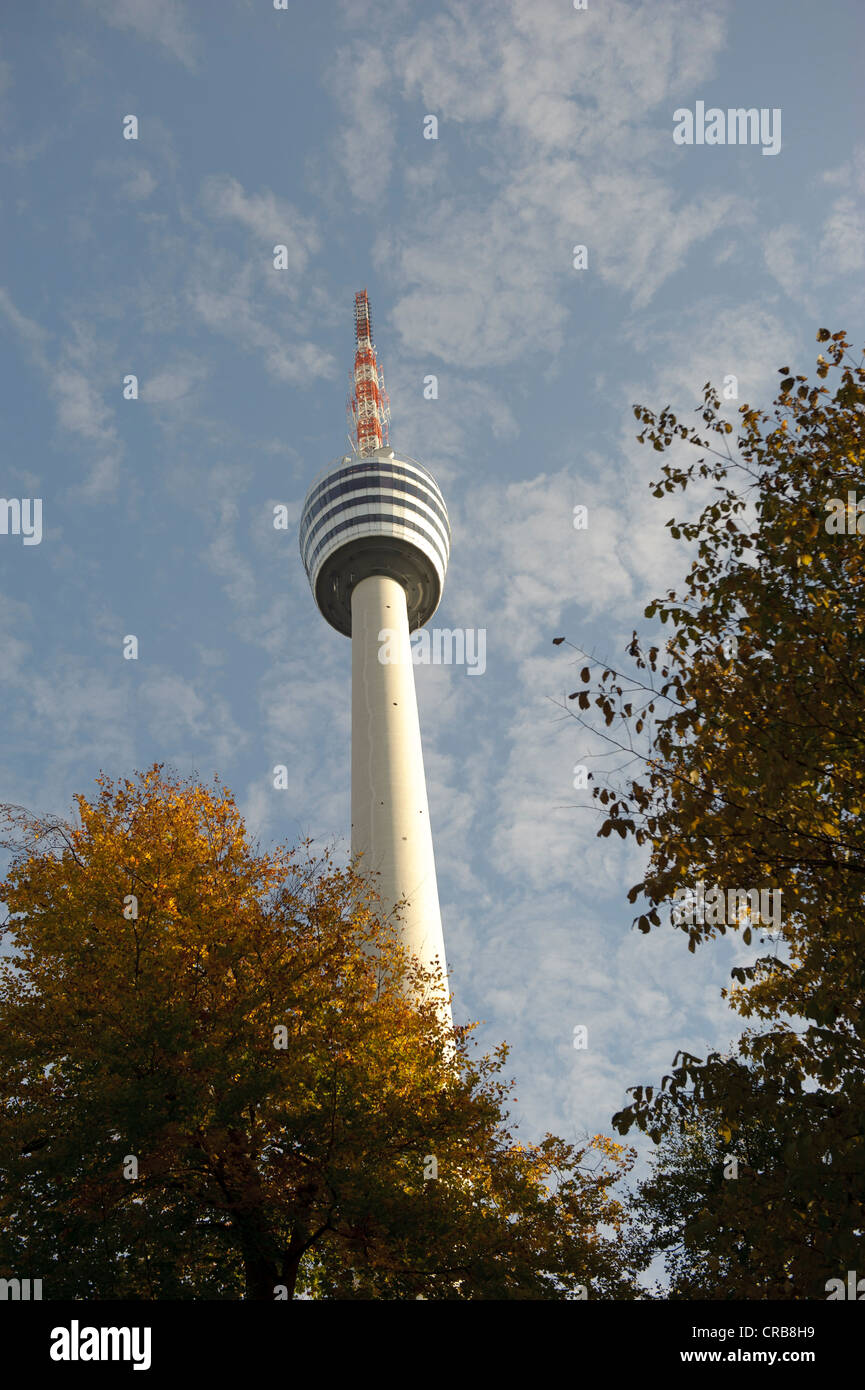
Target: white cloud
[
  {"x": 851, "y": 175},
  {"x": 360, "y": 79},
  {"x": 133, "y": 182},
  {"x": 441, "y": 431},
  {"x": 784, "y": 254},
  {"x": 235, "y": 299},
  {"x": 291, "y": 697},
  {"x": 101, "y": 481},
  {"x": 187, "y": 720},
  {"x": 80, "y": 408},
  {"x": 273, "y": 219},
  {"x": 161, "y": 21},
  {"x": 527, "y": 562},
  {"x": 489, "y": 283},
  {"x": 14, "y": 650},
  {"x": 172, "y": 383},
  {"x": 842, "y": 247},
  {"x": 526, "y": 572},
  {"x": 559, "y": 104},
  {"x": 34, "y": 336},
  {"x": 138, "y": 185},
  {"x": 547, "y": 960},
  {"x": 705, "y": 341},
  {"x": 800, "y": 264},
  {"x": 237, "y": 575}
]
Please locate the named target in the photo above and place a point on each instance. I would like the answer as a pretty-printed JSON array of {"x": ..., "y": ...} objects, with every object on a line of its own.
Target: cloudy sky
[{"x": 304, "y": 127}]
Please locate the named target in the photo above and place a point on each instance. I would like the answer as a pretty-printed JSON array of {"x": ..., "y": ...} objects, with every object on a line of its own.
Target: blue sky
[{"x": 154, "y": 256}]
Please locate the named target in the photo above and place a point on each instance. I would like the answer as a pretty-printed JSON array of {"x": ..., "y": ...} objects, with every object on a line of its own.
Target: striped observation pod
[{"x": 382, "y": 514}]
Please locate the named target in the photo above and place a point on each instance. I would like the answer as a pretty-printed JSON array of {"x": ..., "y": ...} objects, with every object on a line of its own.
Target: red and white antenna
[{"x": 368, "y": 406}]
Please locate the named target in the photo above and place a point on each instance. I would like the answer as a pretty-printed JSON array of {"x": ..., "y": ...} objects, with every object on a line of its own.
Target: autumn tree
[
  {"x": 220, "y": 1077},
  {"x": 748, "y": 723},
  {"x": 753, "y": 1206}
]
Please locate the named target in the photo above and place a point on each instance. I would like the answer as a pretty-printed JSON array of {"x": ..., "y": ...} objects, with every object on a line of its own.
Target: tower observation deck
[
  {"x": 382, "y": 514},
  {"x": 375, "y": 543}
]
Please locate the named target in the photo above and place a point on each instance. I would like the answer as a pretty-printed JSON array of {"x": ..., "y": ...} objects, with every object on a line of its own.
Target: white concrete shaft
[{"x": 390, "y": 825}]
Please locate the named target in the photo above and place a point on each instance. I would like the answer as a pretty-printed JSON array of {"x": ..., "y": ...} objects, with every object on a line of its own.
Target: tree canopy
[
  {"x": 219, "y": 1079},
  {"x": 749, "y": 726}
]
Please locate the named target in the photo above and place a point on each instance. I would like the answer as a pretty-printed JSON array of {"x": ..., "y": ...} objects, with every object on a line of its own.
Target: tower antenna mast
[{"x": 368, "y": 405}]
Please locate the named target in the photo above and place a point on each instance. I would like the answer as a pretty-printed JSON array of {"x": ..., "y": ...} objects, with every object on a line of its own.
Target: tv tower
[{"x": 375, "y": 542}]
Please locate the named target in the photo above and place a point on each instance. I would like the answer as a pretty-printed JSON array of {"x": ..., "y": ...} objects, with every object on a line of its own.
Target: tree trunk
[{"x": 262, "y": 1276}]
